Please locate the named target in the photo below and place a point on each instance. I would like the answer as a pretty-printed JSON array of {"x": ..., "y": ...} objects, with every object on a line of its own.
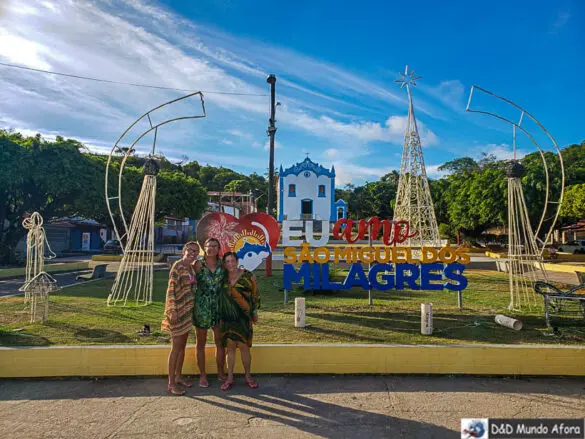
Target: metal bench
[
  {"x": 553, "y": 298},
  {"x": 98, "y": 272}
]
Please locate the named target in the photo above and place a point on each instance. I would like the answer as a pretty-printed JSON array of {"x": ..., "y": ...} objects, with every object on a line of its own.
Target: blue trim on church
[
  {"x": 333, "y": 214},
  {"x": 343, "y": 205},
  {"x": 308, "y": 165},
  {"x": 281, "y": 196}
]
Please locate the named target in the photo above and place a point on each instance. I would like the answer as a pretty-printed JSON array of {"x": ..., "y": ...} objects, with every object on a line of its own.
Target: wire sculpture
[
  {"x": 36, "y": 241},
  {"x": 37, "y": 289},
  {"x": 525, "y": 248},
  {"x": 413, "y": 197},
  {"x": 134, "y": 279}
]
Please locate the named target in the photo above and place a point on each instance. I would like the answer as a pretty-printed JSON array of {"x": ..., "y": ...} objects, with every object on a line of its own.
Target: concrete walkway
[
  {"x": 283, "y": 407},
  {"x": 9, "y": 287}
]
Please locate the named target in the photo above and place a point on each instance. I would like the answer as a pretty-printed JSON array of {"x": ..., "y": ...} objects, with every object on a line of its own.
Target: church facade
[{"x": 306, "y": 191}]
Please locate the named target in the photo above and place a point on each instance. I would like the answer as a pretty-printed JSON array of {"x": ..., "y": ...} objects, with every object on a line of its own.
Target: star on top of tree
[{"x": 408, "y": 79}]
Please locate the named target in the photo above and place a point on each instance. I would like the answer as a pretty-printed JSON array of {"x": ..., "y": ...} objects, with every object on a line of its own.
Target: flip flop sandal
[
  {"x": 203, "y": 384},
  {"x": 227, "y": 386},
  {"x": 175, "y": 391},
  {"x": 185, "y": 383},
  {"x": 252, "y": 384}
]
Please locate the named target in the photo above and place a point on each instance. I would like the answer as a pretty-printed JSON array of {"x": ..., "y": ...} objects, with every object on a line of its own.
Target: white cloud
[
  {"x": 560, "y": 21},
  {"x": 150, "y": 45},
  {"x": 332, "y": 153},
  {"x": 227, "y": 142},
  {"x": 349, "y": 173},
  {"x": 238, "y": 133},
  {"x": 365, "y": 131},
  {"x": 433, "y": 171},
  {"x": 19, "y": 50},
  {"x": 501, "y": 151},
  {"x": 450, "y": 93}
]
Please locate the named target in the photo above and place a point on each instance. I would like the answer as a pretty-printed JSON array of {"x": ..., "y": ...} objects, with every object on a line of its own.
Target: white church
[{"x": 306, "y": 190}]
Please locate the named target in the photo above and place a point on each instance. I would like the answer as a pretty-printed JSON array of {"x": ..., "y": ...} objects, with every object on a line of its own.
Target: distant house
[
  {"x": 573, "y": 231},
  {"x": 306, "y": 190},
  {"x": 72, "y": 235},
  {"x": 175, "y": 230},
  {"x": 234, "y": 203}
]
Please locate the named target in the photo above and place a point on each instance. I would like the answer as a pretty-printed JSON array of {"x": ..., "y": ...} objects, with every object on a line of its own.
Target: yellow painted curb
[
  {"x": 564, "y": 268},
  {"x": 120, "y": 360},
  {"x": 111, "y": 258}
]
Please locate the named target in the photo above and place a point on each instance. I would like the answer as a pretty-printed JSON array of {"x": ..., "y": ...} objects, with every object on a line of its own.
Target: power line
[{"x": 14, "y": 66}]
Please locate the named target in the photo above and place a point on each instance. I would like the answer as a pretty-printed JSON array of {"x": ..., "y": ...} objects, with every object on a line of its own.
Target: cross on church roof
[{"x": 307, "y": 154}]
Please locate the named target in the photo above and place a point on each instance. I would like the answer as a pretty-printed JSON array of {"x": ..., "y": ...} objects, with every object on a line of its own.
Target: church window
[
  {"x": 292, "y": 190},
  {"x": 321, "y": 190}
]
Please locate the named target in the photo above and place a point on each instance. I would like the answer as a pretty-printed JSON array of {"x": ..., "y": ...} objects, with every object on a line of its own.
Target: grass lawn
[
  {"x": 78, "y": 315},
  {"x": 55, "y": 267}
]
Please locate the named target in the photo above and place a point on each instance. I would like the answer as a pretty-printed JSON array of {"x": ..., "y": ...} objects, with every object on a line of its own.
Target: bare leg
[
  {"x": 231, "y": 362},
  {"x": 231, "y": 358},
  {"x": 246, "y": 358},
  {"x": 178, "y": 371},
  {"x": 247, "y": 363},
  {"x": 176, "y": 343},
  {"x": 219, "y": 353},
  {"x": 201, "y": 336}
]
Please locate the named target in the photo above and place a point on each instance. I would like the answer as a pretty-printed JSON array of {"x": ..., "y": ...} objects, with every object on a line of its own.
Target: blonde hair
[{"x": 191, "y": 244}]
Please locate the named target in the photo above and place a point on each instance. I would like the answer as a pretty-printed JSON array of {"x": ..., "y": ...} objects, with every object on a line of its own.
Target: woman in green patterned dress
[
  {"x": 178, "y": 311},
  {"x": 238, "y": 309},
  {"x": 210, "y": 275}
]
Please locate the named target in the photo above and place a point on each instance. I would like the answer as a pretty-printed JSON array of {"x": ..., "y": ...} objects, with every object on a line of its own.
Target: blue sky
[{"x": 335, "y": 61}]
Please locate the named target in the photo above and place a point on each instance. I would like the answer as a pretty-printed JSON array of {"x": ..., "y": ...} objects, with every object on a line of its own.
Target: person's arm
[{"x": 170, "y": 302}]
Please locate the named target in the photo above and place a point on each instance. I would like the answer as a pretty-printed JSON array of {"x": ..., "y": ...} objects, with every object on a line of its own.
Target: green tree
[{"x": 573, "y": 207}]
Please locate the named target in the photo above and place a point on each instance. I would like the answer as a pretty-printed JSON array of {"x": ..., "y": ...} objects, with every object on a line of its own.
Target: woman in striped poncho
[{"x": 178, "y": 314}]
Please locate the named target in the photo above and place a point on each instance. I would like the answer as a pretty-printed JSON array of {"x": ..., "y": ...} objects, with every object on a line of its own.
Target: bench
[
  {"x": 553, "y": 297},
  {"x": 98, "y": 272}
]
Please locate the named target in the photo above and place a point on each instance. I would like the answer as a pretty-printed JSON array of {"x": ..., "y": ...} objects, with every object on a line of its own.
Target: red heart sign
[{"x": 253, "y": 237}]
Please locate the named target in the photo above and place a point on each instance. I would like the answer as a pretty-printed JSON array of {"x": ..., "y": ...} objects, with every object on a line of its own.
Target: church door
[{"x": 307, "y": 209}]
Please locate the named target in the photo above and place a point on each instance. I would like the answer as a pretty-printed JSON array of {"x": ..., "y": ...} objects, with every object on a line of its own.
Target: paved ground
[
  {"x": 10, "y": 287},
  {"x": 283, "y": 407}
]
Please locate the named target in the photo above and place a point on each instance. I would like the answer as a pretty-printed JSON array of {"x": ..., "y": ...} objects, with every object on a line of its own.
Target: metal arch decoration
[
  {"x": 128, "y": 151},
  {"x": 518, "y": 125},
  {"x": 525, "y": 256},
  {"x": 135, "y": 274}
]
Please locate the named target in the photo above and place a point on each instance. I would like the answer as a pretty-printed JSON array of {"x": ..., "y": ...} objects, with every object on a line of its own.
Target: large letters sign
[{"x": 395, "y": 267}]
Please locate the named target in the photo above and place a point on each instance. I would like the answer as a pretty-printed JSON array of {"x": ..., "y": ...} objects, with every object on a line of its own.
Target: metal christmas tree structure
[
  {"x": 134, "y": 279},
  {"x": 525, "y": 248},
  {"x": 413, "y": 197},
  {"x": 37, "y": 290}
]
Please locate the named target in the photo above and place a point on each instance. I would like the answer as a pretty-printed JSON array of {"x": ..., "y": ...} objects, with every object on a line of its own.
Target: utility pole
[{"x": 271, "y": 132}]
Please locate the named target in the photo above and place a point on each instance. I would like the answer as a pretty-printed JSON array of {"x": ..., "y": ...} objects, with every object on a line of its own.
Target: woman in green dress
[
  {"x": 178, "y": 311},
  {"x": 210, "y": 275},
  {"x": 238, "y": 309}
]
